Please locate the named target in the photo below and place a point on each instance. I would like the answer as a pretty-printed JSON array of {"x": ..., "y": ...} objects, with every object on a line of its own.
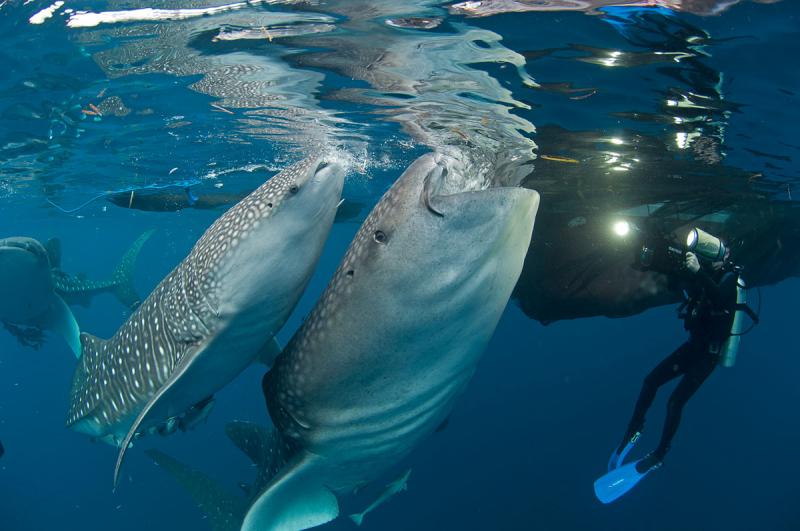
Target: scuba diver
[{"x": 713, "y": 312}]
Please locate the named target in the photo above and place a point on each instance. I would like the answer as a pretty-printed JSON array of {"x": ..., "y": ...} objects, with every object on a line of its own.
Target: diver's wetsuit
[{"x": 708, "y": 318}]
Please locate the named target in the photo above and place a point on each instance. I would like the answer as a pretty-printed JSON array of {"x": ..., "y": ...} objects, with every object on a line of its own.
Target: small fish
[
  {"x": 219, "y": 108},
  {"x": 398, "y": 485}
]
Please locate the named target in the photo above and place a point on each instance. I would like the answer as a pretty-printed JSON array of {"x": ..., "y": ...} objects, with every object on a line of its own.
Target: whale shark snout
[
  {"x": 323, "y": 183},
  {"x": 26, "y": 287}
]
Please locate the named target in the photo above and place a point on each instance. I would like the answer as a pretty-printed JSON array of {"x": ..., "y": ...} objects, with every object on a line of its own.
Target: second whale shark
[
  {"x": 392, "y": 343},
  {"x": 210, "y": 317}
]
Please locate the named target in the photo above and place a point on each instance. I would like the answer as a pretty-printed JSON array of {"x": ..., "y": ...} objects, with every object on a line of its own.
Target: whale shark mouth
[
  {"x": 317, "y": 175},
  {"x": 12, "y": 244}
]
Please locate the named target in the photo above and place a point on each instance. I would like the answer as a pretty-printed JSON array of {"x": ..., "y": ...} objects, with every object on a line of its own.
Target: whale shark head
[
  {"x": 453, "y": 235},
  {"x": 280, "y": 225},
  {"x": 26, "y": 284}
]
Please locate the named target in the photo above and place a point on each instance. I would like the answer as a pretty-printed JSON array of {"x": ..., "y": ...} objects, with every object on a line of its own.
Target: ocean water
[{"x": 602, "y": 112}]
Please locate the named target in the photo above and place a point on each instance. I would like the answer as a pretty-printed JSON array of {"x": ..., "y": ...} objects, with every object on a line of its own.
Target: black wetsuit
[{"x": 707, "y": 316}]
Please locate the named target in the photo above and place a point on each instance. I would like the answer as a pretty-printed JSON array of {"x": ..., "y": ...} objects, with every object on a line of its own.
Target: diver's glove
[{"x": 692, "y": 263}]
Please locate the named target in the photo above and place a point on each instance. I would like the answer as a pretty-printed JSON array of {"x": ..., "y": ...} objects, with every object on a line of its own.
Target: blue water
[{"x": 548, "y": 403}]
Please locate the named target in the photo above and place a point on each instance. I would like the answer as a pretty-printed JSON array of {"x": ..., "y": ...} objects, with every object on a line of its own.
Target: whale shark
[
  {"x": 384, "y": 355},
  {"x": 207, "y": 320},
  {"x": 35, "y": 292}
]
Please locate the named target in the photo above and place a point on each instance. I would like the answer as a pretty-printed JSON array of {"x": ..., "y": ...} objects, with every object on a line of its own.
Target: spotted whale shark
[
  {"x": 209, "y": 318},
  {"x": 379, "y": 363},
  {"x": 35, "y": 293}
]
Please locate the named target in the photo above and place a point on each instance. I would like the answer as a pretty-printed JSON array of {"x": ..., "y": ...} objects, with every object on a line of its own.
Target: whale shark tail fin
[
  {"x": 223, "y": 509},
  {"x": 294, "y": 498},
  {"x": 123, "y": 274},
  {"x": 357, "y": 518}
]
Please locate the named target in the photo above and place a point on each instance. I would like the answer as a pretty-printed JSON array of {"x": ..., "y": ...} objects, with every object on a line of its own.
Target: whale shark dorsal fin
[
  {"x": 53, "y": 247},
  {"x": 84, "y": 393},
  {"x": 59, "y": 318},
  {"x": 294, "y": 499},
  {"x": 92, "y": 343}
]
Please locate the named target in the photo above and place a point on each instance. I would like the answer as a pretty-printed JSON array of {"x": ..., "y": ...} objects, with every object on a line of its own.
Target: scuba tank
[{"x": 730, "y": 347}]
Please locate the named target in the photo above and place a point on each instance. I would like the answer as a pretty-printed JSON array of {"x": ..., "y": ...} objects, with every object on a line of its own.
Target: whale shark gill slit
[{"x": 430, "y": 187}]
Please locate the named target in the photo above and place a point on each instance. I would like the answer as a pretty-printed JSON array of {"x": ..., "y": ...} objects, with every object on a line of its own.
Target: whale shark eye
[
  {"x": 379, "y": 236},
  {"x": 293, "y": 189}
]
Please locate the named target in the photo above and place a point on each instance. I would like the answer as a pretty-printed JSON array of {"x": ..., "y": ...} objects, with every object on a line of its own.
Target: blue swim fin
[
  {"x": 618, "y": 457},
  {"x": 619, "y": 481}
]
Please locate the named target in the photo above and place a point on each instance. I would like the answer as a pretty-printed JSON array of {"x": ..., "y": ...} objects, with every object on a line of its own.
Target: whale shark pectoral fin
[
  {"x": 53, "y": 246},
  {"x": 269, "y": 352},
  {"x": 189, "y": 359},
  {"x": 59, "y": 318},
  {"x": 295, "y": 499}
]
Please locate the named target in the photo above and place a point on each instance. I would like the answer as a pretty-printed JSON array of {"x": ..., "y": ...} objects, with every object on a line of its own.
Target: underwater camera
[
  {"x": 662, "y": 254},
  {"x": 705, "y": 245}
]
